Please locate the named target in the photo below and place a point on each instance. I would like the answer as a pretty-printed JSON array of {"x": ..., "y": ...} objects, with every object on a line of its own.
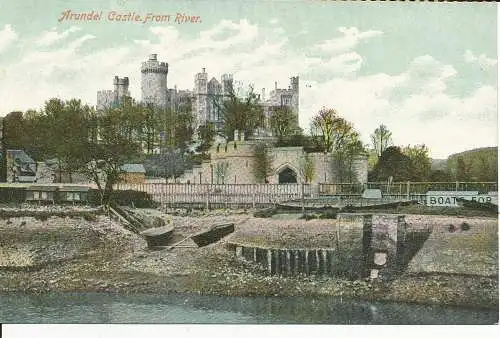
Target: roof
[
  {"x": 133, "y": 168},
  {"x": 74, "y": 188},
  {"x": 42, "y": 188}
]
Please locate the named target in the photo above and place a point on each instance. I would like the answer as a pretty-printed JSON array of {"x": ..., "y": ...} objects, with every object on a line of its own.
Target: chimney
[
  {"x": 152, "y": 57},
  {"x": 275, "y": 85},
  {"x": 263, "y": 96}
]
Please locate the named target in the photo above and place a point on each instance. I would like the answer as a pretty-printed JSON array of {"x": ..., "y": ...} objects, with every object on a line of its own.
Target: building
[
  {"x": 278, "y": 98},
  {"x": 232, "y": 163},
  {"x": 112, "y": 98},
  {"x": 177, "y": 99},
  {"x": 208, "y": 97},
  {"x": 154, "y": 82},
  {"x": 133, "y": 173}
]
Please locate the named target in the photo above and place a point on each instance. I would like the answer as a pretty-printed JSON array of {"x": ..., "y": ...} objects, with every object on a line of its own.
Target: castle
[
  {"x": 230, "y": 163},
  {"x": 205, "y": 99}
]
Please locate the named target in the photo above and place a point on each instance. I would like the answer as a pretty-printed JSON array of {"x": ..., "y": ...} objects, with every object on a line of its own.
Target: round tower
[{"x": 154, "y": 81}]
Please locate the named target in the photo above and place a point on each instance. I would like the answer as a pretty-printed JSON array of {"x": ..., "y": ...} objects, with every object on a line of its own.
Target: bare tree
[{"x": 381, "y": 139}]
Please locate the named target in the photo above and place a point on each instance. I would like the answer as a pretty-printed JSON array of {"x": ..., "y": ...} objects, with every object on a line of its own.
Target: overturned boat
[
  {"x": 212, "y": 235},
  {"x": 158, "y": 236}
]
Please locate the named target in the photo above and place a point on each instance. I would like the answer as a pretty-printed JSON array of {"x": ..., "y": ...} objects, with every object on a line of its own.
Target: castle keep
[{"x": 154, "y": 82}]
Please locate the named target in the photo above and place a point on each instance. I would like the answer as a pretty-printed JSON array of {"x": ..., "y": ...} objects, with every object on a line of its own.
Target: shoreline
[{"x": 110, "y": 259}]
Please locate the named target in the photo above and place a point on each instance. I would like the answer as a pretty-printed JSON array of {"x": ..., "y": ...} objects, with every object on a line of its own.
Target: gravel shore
[{"x": 100, "y": 255}]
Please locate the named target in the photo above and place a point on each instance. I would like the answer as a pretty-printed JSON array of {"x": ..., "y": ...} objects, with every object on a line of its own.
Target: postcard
[{"x": 248, "y": 162}]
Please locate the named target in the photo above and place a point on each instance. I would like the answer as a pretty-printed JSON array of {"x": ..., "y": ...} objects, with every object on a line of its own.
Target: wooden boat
[
  {"x": 158, "y": 236},
  {"x": 212, "y": 235}
]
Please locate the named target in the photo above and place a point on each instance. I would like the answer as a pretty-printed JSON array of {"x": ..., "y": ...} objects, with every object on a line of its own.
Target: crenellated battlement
[{"x": 161, "y": 68}]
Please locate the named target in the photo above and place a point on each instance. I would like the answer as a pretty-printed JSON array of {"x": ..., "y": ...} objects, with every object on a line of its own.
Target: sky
[{"x": 428, "y": 71}]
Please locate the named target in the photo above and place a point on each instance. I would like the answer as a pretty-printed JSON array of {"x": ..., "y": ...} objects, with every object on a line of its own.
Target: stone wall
[
  {"x": 232, "y": 163},
  {"x": 364, "y": 245}
]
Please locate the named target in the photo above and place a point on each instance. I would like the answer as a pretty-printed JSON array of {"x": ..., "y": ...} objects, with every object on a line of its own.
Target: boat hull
[
  {"x": 158, "y": 237},
  {"x": 213, "y": 235}
]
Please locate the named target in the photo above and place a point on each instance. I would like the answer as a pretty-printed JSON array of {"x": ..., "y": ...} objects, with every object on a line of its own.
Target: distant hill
[
  {"x": 480, "y": 164},
  {"x": 439, "y": 164}
]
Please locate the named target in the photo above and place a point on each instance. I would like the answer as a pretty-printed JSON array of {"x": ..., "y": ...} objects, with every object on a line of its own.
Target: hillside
[{"x": 480, "y": 164}]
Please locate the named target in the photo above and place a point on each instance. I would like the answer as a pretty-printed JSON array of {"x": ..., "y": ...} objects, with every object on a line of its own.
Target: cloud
[
  {"x": 7, "y": 37},
  {"x": 415, "y": 103},
  {"x": 482, "y": 60},
  {"x": 349, "y": 40},
  {"x": 49, "y": 38}
]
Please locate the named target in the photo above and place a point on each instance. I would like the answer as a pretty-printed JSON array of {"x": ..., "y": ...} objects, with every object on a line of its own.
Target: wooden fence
[{"x": 258, "y": 195}]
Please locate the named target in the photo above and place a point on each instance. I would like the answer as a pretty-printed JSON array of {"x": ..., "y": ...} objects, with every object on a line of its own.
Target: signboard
[{"x": 449, "y": 198}]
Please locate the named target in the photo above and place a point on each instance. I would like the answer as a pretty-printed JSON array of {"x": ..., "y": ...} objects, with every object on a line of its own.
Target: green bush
[
  {"x": 12, "y": 195},
  {"x": 138, "y": 199}
]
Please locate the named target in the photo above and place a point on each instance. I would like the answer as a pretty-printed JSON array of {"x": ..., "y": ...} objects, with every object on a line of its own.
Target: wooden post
[
  {"x": 456, "y": 185},
  {"x": 253, "y": 196},
  {"x": 408, "y": 190},
  {"x": 207, "y": 205},
  {"x": 303, "y": 201}
]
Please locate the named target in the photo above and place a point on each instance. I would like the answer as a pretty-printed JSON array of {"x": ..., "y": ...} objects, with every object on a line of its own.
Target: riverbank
[{"x": 104, "y": 257}]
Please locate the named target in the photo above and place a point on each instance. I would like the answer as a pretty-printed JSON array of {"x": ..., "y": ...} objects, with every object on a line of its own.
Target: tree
[
  {"x": 243, "y": 114},
  {"x": 262, "y": 162},
  {"x": 307, "y": 168},
  {"x": 117, "y": 143},
  {"x": 65, "y": 133},
  {"x": 13, "y": 130},
  {"x": 323, "y": 126},
  {"x": 381, "y": 139},
  {"x": 462, "y": 170},
  {"x": 338, "y": 137},
  {"x": 206, "y": 136},
  {"x": 393, "y": 162},
  {"x": 169, "y": 163},
  {"x": 283, "y": 123},
  {"x": 420, "y": 162}
]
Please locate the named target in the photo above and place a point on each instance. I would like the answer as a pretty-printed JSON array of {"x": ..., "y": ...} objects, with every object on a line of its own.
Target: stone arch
[{"x": 286, "y": 173}]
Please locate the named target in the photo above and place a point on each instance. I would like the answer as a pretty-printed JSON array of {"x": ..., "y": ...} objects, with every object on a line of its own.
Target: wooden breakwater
[{"x": 370, "y": 249}]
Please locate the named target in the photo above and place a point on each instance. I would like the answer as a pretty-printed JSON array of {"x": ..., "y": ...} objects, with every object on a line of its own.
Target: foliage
[
  {"x": 67, "y": 131},
  {"x": 323, "y": 127},
  {"x": 206, "y": 136},
  {"x": 168, "y": 164},
  {"x": 139, "y": 199},
  {"x": 244, "y": 114},
  {"x": 440, "y": 176},
  {"x": 118, "y": 141},
  {"x": 420, "y": 162},
  {"x": 393, "y": 162},
  {"x": 338, "y": 136},
  {"x": 381, "y": 139},
  {"x": 307, "y": 168},
  {"x": 297, "y": 139},
  {"x": 283, "y": 122},
  {"x": 477, "y": 165},
  {"x": 262, "y": 162}
]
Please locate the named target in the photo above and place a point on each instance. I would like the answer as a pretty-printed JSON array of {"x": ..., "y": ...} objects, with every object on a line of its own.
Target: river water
[{"x": 191, "y": 309}]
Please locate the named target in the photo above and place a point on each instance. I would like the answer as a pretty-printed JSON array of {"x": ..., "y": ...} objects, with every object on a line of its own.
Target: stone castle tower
[
  {"x": 154, "y": 81},
  {"x": 112, "y": 98},
  {"x": 208, "y": 97},
  {"x": 200, "y": 97}
]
